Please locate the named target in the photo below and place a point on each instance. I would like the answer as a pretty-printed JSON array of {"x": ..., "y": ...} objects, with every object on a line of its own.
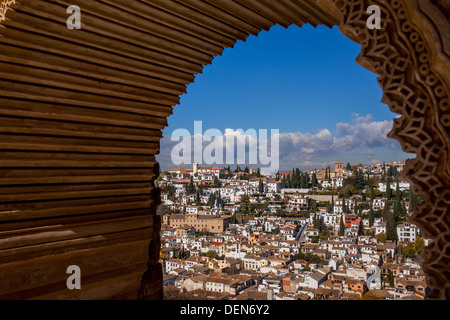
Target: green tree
[
  {"x": 212, "y": 254},
  {"x": 394, "y": 172},
  {"x": 212, "y": 199},
  {"x": 412, "y": 201},
  {"x": 219, "y": 200},
  {"x": 390, "y": 278},
  {"x": 314, "y": 180},
  {"x": 391, "y": 231},
  {"x": 216, "y": 183},
  {"x": 397, "y": 203},
  {"x": 316, "y": 222},
  {"x": 403, "y": 211},
  {"x": 190, "y": 187},
  {"x": 381, "y": 237},
  {"x": 410, "y": 250},
  {"x": 357, "y": 180},
  {"x": 388, "y": 188},
  {"x": 341, "y": 227},
  {"x": 304, "y": 181},
  {"x": 330, "y": 208},
  {"x": 372, "y": 192},
  {"x": 197, "y": 197},
  {"x": 260, "y": 186},
  {"x": 371, "y": 216},
  {"x": 419, "y": 245}
]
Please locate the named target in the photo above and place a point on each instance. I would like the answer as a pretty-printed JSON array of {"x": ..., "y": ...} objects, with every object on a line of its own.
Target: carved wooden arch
[{"x": 410, "y": 53}]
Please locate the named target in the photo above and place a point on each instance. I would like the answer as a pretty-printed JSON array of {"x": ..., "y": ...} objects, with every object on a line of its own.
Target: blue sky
[{"x": 304, "y": 82}]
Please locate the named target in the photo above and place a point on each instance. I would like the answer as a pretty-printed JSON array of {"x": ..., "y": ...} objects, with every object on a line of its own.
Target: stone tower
[{"x": 339, "y": 169}]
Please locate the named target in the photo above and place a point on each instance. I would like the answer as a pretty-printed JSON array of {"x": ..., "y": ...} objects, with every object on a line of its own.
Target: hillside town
[{"x": 338, "y": 233}]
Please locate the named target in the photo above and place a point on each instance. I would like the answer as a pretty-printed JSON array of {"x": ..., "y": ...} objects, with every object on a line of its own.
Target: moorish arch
[{"x": 82, "y": 112}]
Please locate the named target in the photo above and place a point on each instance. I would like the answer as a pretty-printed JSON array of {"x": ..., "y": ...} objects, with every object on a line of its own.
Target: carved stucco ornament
[
  {"x": 4, "y": 6},
  {"x": 412, "y": 71}
]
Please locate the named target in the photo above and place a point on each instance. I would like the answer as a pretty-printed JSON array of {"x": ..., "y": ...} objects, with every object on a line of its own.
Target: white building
[
  {"x": 380, "y": 227},
  {"x": 337, "y": 182},
  {"x": 311, "y": 233},
  {"x": 330, "y": 219},
  {"x": 273, "y": 186},
  {"x": 254, "y": 263},
  {"x": 298, "y": 202},
  {"x": 191, "y": 209},
  {"x": 289, "y": 231},
  {"x": 378, "y": 203},
  {"x": 315, "y": 280},
  {"x": 402, "y": 185},
  {"x": 407, "y": 232}
]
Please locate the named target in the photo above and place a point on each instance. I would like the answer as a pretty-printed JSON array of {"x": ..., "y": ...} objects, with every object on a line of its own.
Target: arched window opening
[{"x": 337, "y": 203}]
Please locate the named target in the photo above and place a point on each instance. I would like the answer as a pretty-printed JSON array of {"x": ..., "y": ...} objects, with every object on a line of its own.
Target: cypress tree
[
  {"x": 359, "y": 180},
  {"x": 316, "y": 221},
  {"x": 190, "y": 188},
  {"x": 388, "y": 188},
  {"x": 260, "y": 186},
  {"x": 411, "y": 201},
  {"x": 371, "y": 216},
  {"x": 391, "y": 231},
  {"x": 321, "y": 225},
  {"x": 372, "y": 192},
  {"x": 212, "y": 199},
  {"x": 394, "y": 172},
  {"x": 391, "y": 278},
  {"x": 386, "y": 210},
  {"x": 314, "y": 180},
  {"x": 219, "y": 200},
  {"x": 397, "y": 205},
  {"x": 403, "y": 210},
  {"x": 197, "y": 197},
  {"x": 331, "y": 206},
  {"x": 304, "y": 181},
  {"x": 341, "y": 227},
  {"x": 344, "y": 206}
]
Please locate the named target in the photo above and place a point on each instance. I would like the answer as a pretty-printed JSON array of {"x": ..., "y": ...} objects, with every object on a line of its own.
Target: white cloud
[{"x": 314, "y": 150}]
